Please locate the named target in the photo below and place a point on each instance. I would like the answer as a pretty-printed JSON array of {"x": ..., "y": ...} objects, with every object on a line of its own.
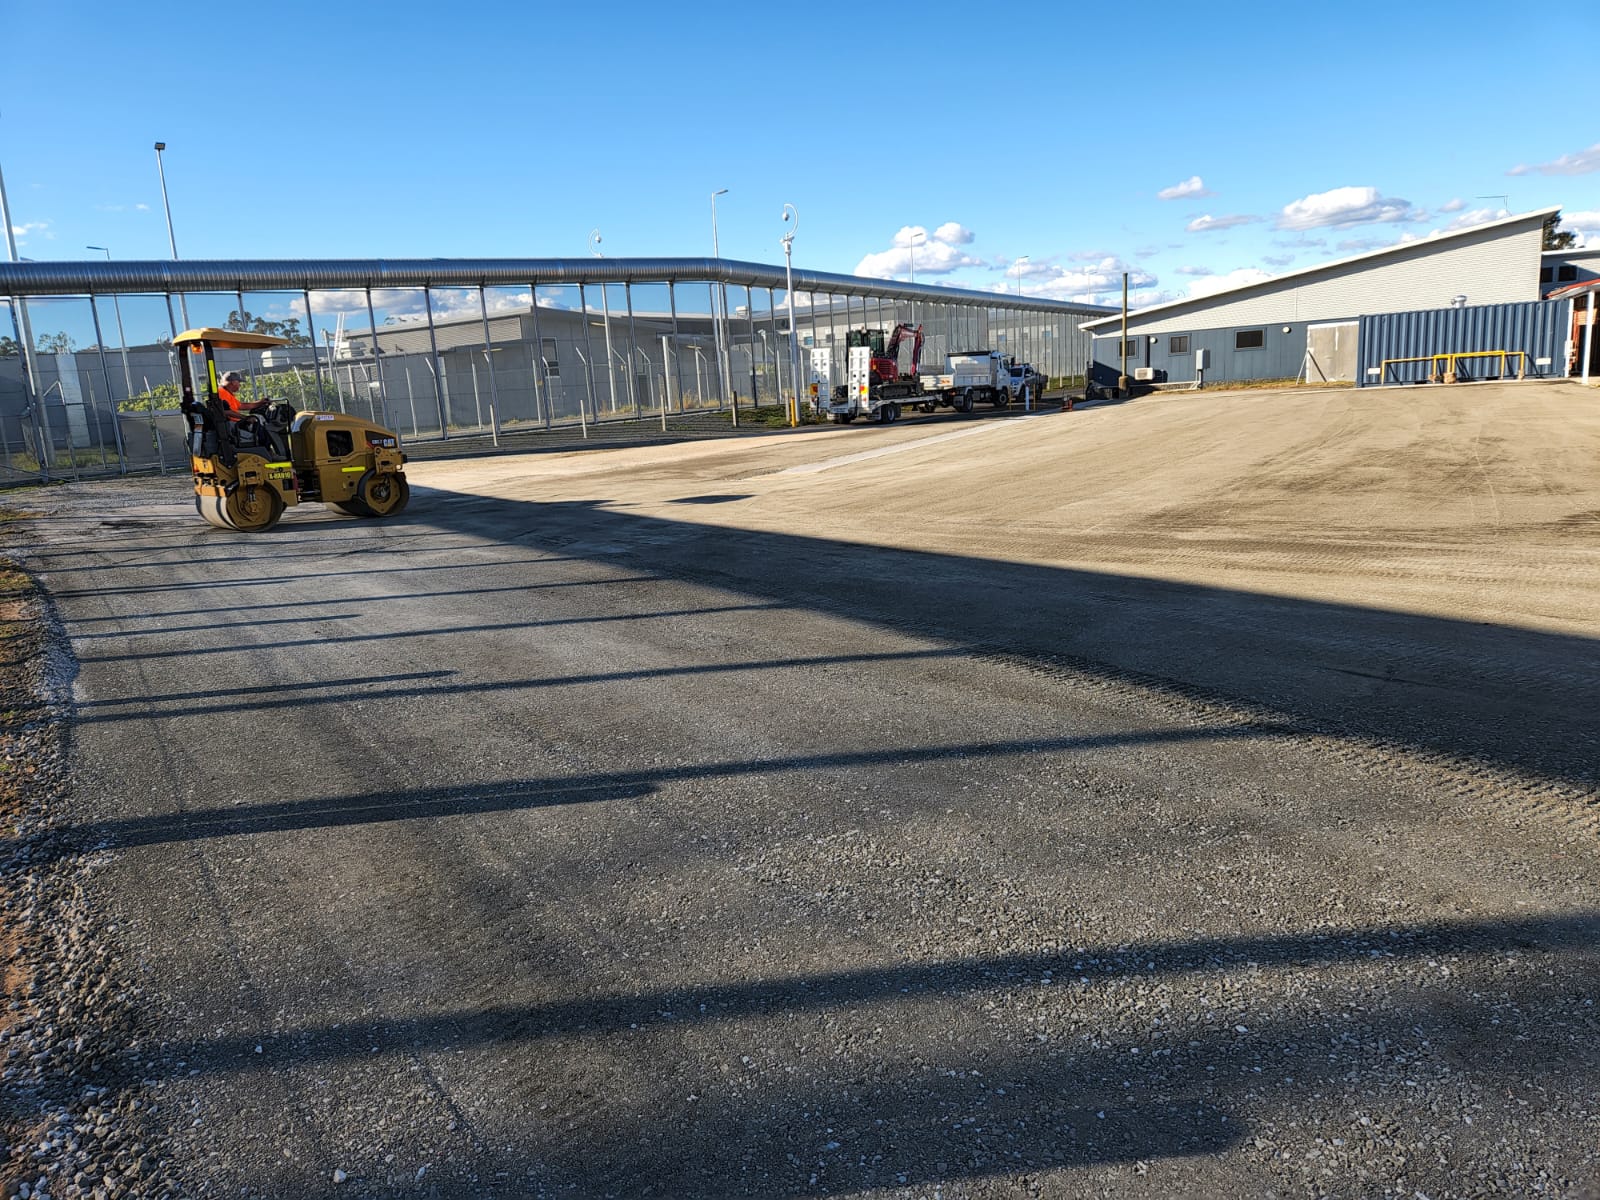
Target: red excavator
[{"x": 887, "y": 381}]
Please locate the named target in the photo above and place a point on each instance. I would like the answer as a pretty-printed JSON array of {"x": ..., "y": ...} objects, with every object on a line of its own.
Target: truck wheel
[
  {"x": 964, "y": 404},
  {"x": 894, "y": 412}
]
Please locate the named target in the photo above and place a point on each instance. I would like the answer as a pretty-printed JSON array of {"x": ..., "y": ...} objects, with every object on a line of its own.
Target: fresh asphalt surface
[{"x": 1191, "y": 796}]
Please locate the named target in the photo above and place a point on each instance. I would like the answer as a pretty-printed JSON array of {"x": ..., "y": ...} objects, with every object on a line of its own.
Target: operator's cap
[{"x": 232, "y": 377}]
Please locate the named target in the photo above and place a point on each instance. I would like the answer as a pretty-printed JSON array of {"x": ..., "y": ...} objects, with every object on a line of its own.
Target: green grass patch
[
  {"x": 28, "y": 463},
  {"x": 1248, "y": 385},
  {"x": 774, "y": 416}
]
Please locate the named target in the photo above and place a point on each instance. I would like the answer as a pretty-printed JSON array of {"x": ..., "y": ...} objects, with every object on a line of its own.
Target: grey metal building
[{"x": 1560, "y": 268}]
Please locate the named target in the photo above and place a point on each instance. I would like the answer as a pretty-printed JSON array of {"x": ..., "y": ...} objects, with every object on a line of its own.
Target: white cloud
[
  {"x": 1343, "y": 208},
  {"x": 1100, "y": 283},
  {"x": 1361, "y": 245},
  {"x": 1211, "y": 285},
  {"x": 1476, "y": 216},
  {"x": 1585, "y": 224},
  {"x": 1191, "y": 186},
  {"x": 1027, "y": 268},
  {"x": 42, "y": 228},
  {"x": 1453, "y": 206},
  {"x": 1303, "y": 242},
  {"x": 1208, "y": 223},
  {"x": 1195, "y": 271},
  {"x": 1277, "y": 260},
  {"x": 913, "y": 249},
  {"x": 1581, "y": 163}
]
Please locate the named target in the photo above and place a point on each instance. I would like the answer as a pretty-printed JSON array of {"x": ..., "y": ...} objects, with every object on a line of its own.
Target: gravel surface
[{"x": 1191, "y": 796}]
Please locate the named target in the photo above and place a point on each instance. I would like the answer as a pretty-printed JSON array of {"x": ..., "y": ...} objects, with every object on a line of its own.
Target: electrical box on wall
[{"x": 1202, "y": 359}]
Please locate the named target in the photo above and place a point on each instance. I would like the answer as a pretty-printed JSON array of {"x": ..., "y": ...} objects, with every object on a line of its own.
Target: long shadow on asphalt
[
  {"x": 220, "y": 627},
  {"x": 1495, "y": 695},
  {"x": 431, "y": 803},
  {"x": 883, "y": 1107}
]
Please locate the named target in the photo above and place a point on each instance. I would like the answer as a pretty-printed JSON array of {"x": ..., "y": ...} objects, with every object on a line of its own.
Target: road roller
[{"x": 252, "y": 461}]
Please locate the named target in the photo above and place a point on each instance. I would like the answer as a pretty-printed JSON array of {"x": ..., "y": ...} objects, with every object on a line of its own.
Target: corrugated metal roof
[{"x": 97, "y": 277}]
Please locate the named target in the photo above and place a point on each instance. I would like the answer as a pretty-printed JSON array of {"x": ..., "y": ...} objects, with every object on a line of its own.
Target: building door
[
  {"x": 1331, "y": 352},
  {"x": 1582, "y": 337}
]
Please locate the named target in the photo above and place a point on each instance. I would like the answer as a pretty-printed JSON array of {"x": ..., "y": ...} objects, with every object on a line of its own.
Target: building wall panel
[{"x": 1538, "y": 328}]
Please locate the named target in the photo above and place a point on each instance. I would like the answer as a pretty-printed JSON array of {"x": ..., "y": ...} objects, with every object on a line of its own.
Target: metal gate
[{"x": 1331, "y": 352}]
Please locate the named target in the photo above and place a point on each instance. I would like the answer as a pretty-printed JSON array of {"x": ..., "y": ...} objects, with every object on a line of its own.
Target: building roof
[
  {"x": 1573, "y": 289},
  {"x": 1367, "y": 258}
]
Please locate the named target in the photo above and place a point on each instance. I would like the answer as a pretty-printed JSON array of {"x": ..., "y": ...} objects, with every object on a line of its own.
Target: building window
[
  {"x": 1178, "y": 345},
  {"x": 1249, "y": 339},
  {"x": 1129, "y": 348},
  {"x": 1546, "y": 274},
  {"x": 547, "y": 348},
  {"x": 1566, "y": 273}
]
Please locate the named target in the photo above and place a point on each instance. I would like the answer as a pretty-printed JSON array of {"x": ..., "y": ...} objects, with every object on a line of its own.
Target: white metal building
[{"x": 1259, "y": 330}]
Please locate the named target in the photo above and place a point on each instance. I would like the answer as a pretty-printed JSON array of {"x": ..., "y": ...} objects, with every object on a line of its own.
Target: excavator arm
[{"x": 892, "y": 350}]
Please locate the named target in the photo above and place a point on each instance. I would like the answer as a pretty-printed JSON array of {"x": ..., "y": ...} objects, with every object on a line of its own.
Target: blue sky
[{"x": 1038, "y": 143}]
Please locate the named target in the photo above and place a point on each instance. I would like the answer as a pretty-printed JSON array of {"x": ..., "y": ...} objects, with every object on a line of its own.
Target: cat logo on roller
[{"x": 249, "y": 465}]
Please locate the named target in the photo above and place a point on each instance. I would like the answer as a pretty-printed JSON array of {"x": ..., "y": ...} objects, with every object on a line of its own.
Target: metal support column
[
  {"x": 435, "y": 364},
  {"x": 488, "y": 357}
]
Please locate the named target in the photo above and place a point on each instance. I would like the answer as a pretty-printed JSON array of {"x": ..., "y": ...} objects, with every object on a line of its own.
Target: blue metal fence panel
[{"x": 1537, "y": 328}]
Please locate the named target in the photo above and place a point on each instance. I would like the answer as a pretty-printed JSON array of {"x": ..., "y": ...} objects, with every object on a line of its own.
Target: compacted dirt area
[{"x": 1189, "y": 796}]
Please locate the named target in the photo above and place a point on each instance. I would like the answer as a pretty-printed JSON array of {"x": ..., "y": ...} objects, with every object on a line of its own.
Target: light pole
[
  {"x": 1019, "y": 349},
  {"x": 19, "y": 312},
  {"x": 122, "y": 341},
  {"x": 183, "y": 301},
  {"x": 914, "y": 253},
  {"x": 791, "y": 213},
  {"x": 605, "y": 310},
  {"x": 719, "y": 317}
]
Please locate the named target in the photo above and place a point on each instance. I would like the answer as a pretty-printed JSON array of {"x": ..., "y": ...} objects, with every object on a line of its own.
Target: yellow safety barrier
[{"x": 1448, "y": 375}]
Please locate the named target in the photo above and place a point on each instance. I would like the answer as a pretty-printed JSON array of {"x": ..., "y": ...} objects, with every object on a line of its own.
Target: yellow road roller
[{"x": 252, "y": 461}]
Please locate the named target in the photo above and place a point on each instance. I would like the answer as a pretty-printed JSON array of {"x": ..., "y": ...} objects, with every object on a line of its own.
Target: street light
[
  {"x": 790, "y": 212},
  {"x": 605, "y": 309},
  {"x": 914, "y": 252},
  {"x": 719, "y": 317},
  {"x": 183, "y": 301},
  {"x": 19, "y": 313},
  {"x": 116, "y": 303},
  {"x": 1021, "y": 347}
]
